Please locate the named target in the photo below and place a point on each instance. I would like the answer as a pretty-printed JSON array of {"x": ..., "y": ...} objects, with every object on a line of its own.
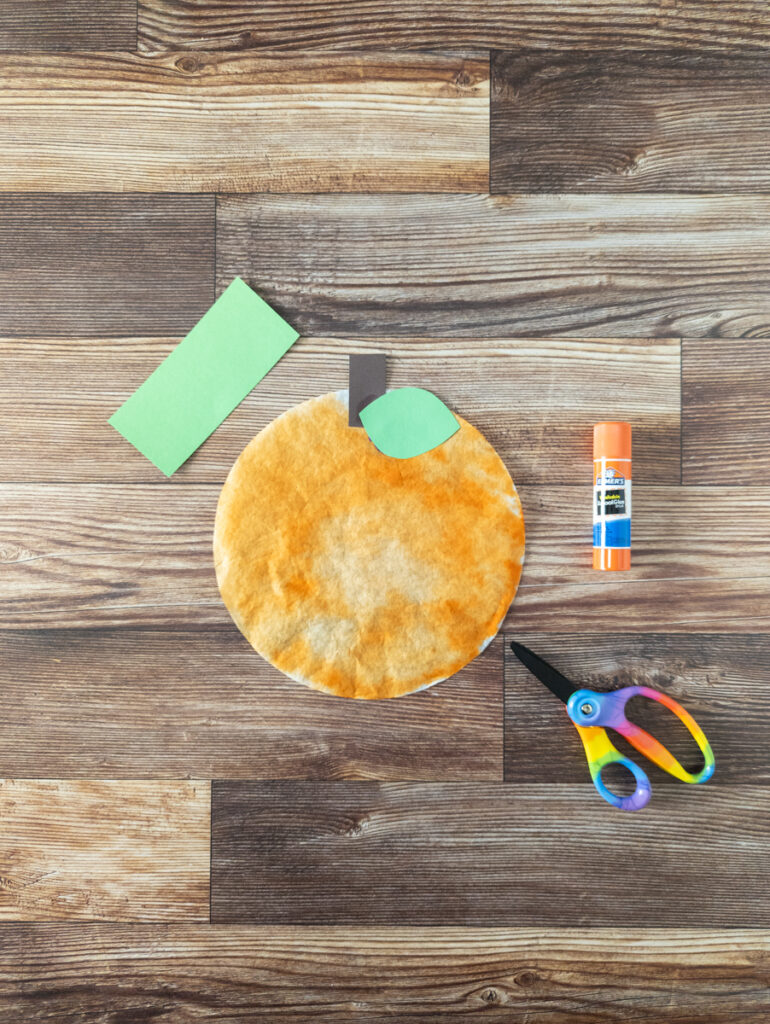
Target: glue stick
[{"x": 612, "y": 496}]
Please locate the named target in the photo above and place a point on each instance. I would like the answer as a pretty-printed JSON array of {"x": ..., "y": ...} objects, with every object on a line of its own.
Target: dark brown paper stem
[{"x": 366, "y": 381}]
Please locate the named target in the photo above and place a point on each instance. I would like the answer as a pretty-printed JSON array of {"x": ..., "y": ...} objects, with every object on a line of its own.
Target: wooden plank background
[
  {"x": 409, "y": 974},
  {"x": 501, "y": 266},
  {"x": 105, "y": 264},
  {"x": 117, "y": 851},
  {"x": 239, "y": 123},
  {"x": 79, "y": 704},
  {"x": 96, "y": 555},
  {"x": 502, "y": 24},
  {"x": 486, "y": 854},
  {"x": 725, "y": 412},
  {"x": 68, "y": 25},
  {"x": 582, "y": 234},
  {"x": 618, "y": 121}
]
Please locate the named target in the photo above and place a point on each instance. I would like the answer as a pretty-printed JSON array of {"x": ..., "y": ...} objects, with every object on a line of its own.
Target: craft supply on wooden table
[
  {"x": 201, "y": 381},
  {"x": 407, "y": 422},
  {"x": 612, "y": 496},
  {"x": 361, "y": 574},
  {"x": 366, "y": 381},
  {"x": 592, "y": 713}
]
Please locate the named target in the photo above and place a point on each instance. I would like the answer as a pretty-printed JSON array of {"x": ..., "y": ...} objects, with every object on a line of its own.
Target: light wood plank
[
  {"x": 120, "y": 851},
  {"x": 201, "y": 703},
  {"x": 361, "y": 24},
  {"x": 558, "y": 976},
  {"x": 535, "y": 400},
  {"x": 67, "y": 25},
  {"x": 568, "y": 121},
  {"x": 726, "y": 414},
  {"x": 719, "y": 678},
  {"x": 500, "y": 266},
  {"x": 84, "y": 555},
  {"x": 108, "y": 264},
  {"x": 134, "y": 553},
  {"x": 240, "y": 123},
  {"x": 691, "y": 605},
  {"x": 487, "y": 854}
]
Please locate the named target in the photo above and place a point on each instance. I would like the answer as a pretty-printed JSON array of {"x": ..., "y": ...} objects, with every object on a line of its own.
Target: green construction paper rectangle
[{"x": 201, "y": 381}]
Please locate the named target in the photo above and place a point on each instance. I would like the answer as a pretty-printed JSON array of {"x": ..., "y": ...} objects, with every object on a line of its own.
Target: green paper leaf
[
  {"x": 201, "y": 381},
  {"x": 408, "y": 422}
]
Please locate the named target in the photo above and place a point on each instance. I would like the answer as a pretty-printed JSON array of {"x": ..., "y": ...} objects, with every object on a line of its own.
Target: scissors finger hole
[{"x": 618, "y": 778}]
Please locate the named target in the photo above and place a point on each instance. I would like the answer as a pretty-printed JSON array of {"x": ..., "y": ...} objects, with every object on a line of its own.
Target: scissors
[{"x": 593, "y": 712}]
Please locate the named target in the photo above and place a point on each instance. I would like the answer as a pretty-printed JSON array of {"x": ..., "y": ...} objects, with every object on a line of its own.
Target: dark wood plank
[
  {"x": 84, "y": 555},
  {"x": 719, "y": 678},
  {"x": 105, "y": 264},
  {"x": 725, "y": 413},
  {"x": 636, "y": 266},
  {"x": 487, "y": 854},
  {"x": 377, "y": 24},
  {"x": 542, "y": 431},
  {"x": 63, "y": 972},
  {"x": 201, "y": 704},
  {"x": 244, "y": 123},
  {"x": 117, "y": 851},
  {"x": 67, "y": 25},
  {"x": 618, "y": 121}
]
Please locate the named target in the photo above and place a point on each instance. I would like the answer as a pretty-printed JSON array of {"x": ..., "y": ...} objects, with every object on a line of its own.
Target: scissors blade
[{"x": 558, "y": 684}]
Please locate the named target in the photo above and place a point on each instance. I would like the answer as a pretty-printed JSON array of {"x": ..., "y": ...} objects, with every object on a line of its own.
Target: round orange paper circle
[{"x": 358, "y": 574}]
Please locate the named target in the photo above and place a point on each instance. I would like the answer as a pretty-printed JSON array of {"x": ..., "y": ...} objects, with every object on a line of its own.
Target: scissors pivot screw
[{"x": 586, "y": 709}]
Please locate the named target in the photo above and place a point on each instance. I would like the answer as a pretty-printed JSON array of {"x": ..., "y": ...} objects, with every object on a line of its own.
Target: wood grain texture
[
  {"x": 487, "y": 854},
  {"x": 558, "y": 976},
  {"x": 242, "y": 123},
  {"x": 96, "y": 265},
  {"x": 99, "y": 550},
  {"x": 121, "y": 851},
  {"x": 201, "y": 704},
  {"x": 720, "y": 679},
  {"x": 67, "y": 25},
  {"x": 591, "y": 266},
  {"x": 502, "y": 24},
  {"x": 695, "y": 568},
  {"x": 79, "y": 556},
  {"x": 535, "y": 400},
  {"x": 630, "y": 122},
  {"x": 726, "y": 413}
]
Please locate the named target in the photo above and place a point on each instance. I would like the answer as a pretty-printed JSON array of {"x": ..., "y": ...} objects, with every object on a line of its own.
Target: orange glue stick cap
[{"x": 612, "y": 441}]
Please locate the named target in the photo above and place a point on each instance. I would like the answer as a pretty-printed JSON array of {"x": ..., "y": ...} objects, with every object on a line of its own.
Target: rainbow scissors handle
[{"x": 594, "y": 712}]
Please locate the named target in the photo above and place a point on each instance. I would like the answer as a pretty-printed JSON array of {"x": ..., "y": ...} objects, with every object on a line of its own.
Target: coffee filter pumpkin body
[{"x": 362, "y": 575}]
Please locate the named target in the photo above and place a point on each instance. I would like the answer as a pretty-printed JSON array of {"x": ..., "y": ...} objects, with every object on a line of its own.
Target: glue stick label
[
  {"x": 613, "y": 499},
  {"x": 612, "y": 503}
]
